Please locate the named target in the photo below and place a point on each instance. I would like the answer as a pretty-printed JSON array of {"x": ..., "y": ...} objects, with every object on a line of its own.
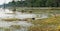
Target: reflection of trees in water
[{"x": 14, "y": 12}]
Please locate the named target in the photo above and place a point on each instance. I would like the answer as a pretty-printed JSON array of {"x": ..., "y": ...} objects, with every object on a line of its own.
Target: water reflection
[
  {"x": 7, "y": 14},
  {"x": 24, "y": 24}
]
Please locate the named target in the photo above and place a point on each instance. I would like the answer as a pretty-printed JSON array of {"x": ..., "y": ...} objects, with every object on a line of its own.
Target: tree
[
  {"x": 35, "y": 3},
  {"x": 58, "y": 3}
]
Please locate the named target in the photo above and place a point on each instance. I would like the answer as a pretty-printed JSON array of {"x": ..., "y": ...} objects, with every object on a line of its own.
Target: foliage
[{"x": 34, "y": 3}]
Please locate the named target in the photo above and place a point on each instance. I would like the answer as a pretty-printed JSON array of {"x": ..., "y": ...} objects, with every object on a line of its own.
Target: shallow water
[
  {"x": 23, "y": 24},
  {"x": 7, "y": 14}
]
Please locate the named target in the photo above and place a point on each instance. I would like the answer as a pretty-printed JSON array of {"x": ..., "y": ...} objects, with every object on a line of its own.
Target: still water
[{"x": 9, "y": 14}]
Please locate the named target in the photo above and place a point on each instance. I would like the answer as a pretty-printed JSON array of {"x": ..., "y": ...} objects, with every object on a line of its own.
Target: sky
[{"x": 6, "y": 1}]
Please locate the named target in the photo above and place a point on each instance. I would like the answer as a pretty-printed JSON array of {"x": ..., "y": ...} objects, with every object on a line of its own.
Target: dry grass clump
[
  {"x": 4, "y": 29},
  {"x": 28, "y": 19},
  {"x": 11, "y": 19},
  {"x": 34, "y": 28},
  {"x": 12, "y": 27},
  {"x": 47, "y": 21},
  {"x": 48, "y": 24},
  {"x": 41, "y": 28},
  {"x": 16, "y": 26}
]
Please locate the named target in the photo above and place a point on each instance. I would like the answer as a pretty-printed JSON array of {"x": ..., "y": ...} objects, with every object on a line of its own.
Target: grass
[
  {"x": 16, "y": 26},
  {"x": 5, "y": 29},
  {"x": 48, "y": 24},
  {"x": 43, "y": 10},
  {"x": 12, "y": 27},
  {"x": 11, "y": 19}
]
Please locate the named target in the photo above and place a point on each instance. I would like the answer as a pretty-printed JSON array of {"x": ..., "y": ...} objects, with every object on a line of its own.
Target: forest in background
[{"x": 33, "y": 3}]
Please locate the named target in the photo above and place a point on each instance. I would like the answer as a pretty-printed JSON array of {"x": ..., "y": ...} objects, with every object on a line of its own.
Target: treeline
[
  {"x": 44, "y": 3},
  {"x": 35, "y": 3}
]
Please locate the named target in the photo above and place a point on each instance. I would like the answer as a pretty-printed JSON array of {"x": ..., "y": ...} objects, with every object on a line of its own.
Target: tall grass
[{"x": 48, "y": 24}]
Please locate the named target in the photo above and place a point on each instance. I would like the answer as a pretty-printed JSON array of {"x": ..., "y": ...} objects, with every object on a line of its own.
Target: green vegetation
[
  {"x": 48, "y": 24},
  {"x": 11, "y": 19},
  {"x": 4, "y": 29},
  {"x": 34, "y": 3},
  {"x": 15, "y": 26},
  {"x": 12, "y": 27}
]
